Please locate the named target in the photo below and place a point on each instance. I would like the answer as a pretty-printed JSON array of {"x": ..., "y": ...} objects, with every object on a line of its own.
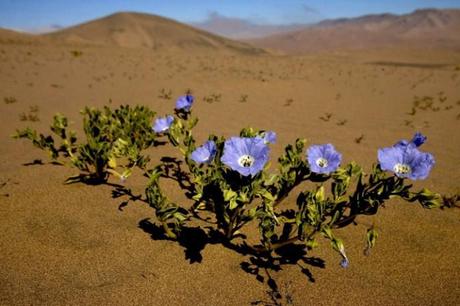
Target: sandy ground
[{"x": 73, "y": 245}]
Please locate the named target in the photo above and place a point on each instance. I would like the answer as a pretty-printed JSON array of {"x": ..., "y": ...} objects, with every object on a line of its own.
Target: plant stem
[{"x": 168, "y": 231}]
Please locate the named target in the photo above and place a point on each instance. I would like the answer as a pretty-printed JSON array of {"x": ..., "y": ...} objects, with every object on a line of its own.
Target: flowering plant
[
  {"x": 110, "y": 135},
  {"x": 230, "y": 183},
  {"x": 229, "y": 179}
]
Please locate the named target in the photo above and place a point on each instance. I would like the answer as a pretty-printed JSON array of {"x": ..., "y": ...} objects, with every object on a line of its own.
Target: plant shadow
[
  {"x": 195, "y": 239},
  {"x": 122, "y": 191}
]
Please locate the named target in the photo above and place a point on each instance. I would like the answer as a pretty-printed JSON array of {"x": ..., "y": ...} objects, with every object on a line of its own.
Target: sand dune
[
  {"x": 136, "y": 30},
  {"x": 423, "y": 29},
  {"x": 13, "y": 37}
]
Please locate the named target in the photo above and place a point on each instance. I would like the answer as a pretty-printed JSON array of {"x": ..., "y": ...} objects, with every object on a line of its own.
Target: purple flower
[
  {"x": 246, "y": 155},
  {"x": 323, "y": 159},
  {"x": 205, "y": 153},
  {"x": 269, "y": 137},
  {"x": 406, "y": 161},
  {"x": 185, "y": 102},
  {"x": 417, "y": 140},
  {"x": 162, "y": 124},
  {"x": 344, "y": 263}
]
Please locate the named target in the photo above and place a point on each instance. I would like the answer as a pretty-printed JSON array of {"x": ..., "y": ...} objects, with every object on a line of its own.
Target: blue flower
[
  {"x": 406, "y": 161},
  {"x": 269, "y": 137},
  {"x": 162, "y": 124},
  {"x": 344, "y": 263},
  {"x": 185, "y": 102},
  {"x": 247, "y": 156},
  {"x": 323, "y": 159},
  {"x": 417, "y": 141},
  {"x": 205, "y": 153}
]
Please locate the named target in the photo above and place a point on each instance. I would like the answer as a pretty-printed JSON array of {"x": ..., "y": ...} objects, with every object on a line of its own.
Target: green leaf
[
  {"x": 371, "y": 237},
  {"x": 229, "y": 195},
  {"x": 233, "y": 204},
  {"x": 319, "y": 196}
]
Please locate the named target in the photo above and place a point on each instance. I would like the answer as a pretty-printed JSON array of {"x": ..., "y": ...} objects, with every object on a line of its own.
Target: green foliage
[
  {"x": 233, "y": 200},
  {"x": 224, "y": 199},
  {"x": 110, "y": 135},
  {"x": 168, "y": 213}
]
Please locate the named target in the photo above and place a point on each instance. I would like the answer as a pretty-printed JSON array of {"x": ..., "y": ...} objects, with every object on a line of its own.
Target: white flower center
[
  {"x": 322, "y": 162},
  {"x": 402, "y": 169},
  {"x": 246, "y": 161}
]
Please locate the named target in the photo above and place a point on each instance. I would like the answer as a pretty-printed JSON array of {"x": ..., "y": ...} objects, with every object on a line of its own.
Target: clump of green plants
[
  {"x": 109, "y": 135},
  {"x": 230, "y": 183}
]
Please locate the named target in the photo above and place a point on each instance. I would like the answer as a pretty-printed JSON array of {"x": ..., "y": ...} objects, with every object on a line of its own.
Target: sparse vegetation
[
  {"x": 10, "y": 100},
  {"x": 212, "y": 98},
  {"x": 76, "y": 53},
  {"x": 326, "y": 117},
  {"x": 165, "y": 94},
  {"x": 359, "y": 139},
  {"x": 289, "y": 102}
]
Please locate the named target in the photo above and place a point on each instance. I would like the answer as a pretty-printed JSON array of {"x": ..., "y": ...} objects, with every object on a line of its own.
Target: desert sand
[{"x": 78, "y": 245}]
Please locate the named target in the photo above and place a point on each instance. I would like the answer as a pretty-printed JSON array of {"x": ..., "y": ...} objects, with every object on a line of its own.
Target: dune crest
[
  {"x": 134, "y": 30},
  {"x": 422, "y": 29}
]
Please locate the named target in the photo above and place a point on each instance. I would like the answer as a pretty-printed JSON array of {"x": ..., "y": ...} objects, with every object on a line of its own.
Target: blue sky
[{"x": 42, "y": 14}]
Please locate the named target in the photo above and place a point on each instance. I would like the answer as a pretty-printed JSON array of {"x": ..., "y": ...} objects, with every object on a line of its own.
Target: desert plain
[{"x": 78, "y": 244}]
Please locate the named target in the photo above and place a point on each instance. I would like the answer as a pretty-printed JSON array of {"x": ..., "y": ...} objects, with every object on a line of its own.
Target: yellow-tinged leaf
[{"x": 112, "y": 163}]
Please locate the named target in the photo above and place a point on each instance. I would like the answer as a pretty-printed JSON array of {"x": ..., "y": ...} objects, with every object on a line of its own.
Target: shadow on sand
[{"x": 259, "y": 264}]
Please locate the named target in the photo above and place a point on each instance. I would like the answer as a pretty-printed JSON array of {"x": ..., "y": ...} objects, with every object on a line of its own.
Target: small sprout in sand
[
  {"x": 212, "y": 98},
  {"x": 9, "y": 100},
  {"x": 326, "y": 117},
  {"x": 244, "y": 98},
  {"x": 76, "y": 53},
  {"x": 408, "y": 123},
  {"x": 33, "y": 117},
  {"x": 359, "y": 139},
  {"x": 288, "y": 102},
  {"x": 22, "y": 117},
  {"x": 342, "y": 122},
  {"x": 165, "y": 94}
]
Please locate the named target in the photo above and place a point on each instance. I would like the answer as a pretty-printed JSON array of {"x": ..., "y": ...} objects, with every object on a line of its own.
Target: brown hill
[
  {"x": 428, "y": 28},
  {"x": 13, "y": 37},
  {"x": 150, "y": 31}
]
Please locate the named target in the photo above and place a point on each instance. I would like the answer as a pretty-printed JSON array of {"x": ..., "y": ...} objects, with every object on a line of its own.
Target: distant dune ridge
[
  {"x": 237, "y": 28},
  {"x": 427, "y": 28},
  {"x": 422, "y": 29},
  {"x": 143, "y": 30},
  {"x": 10, "y": 36}
]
